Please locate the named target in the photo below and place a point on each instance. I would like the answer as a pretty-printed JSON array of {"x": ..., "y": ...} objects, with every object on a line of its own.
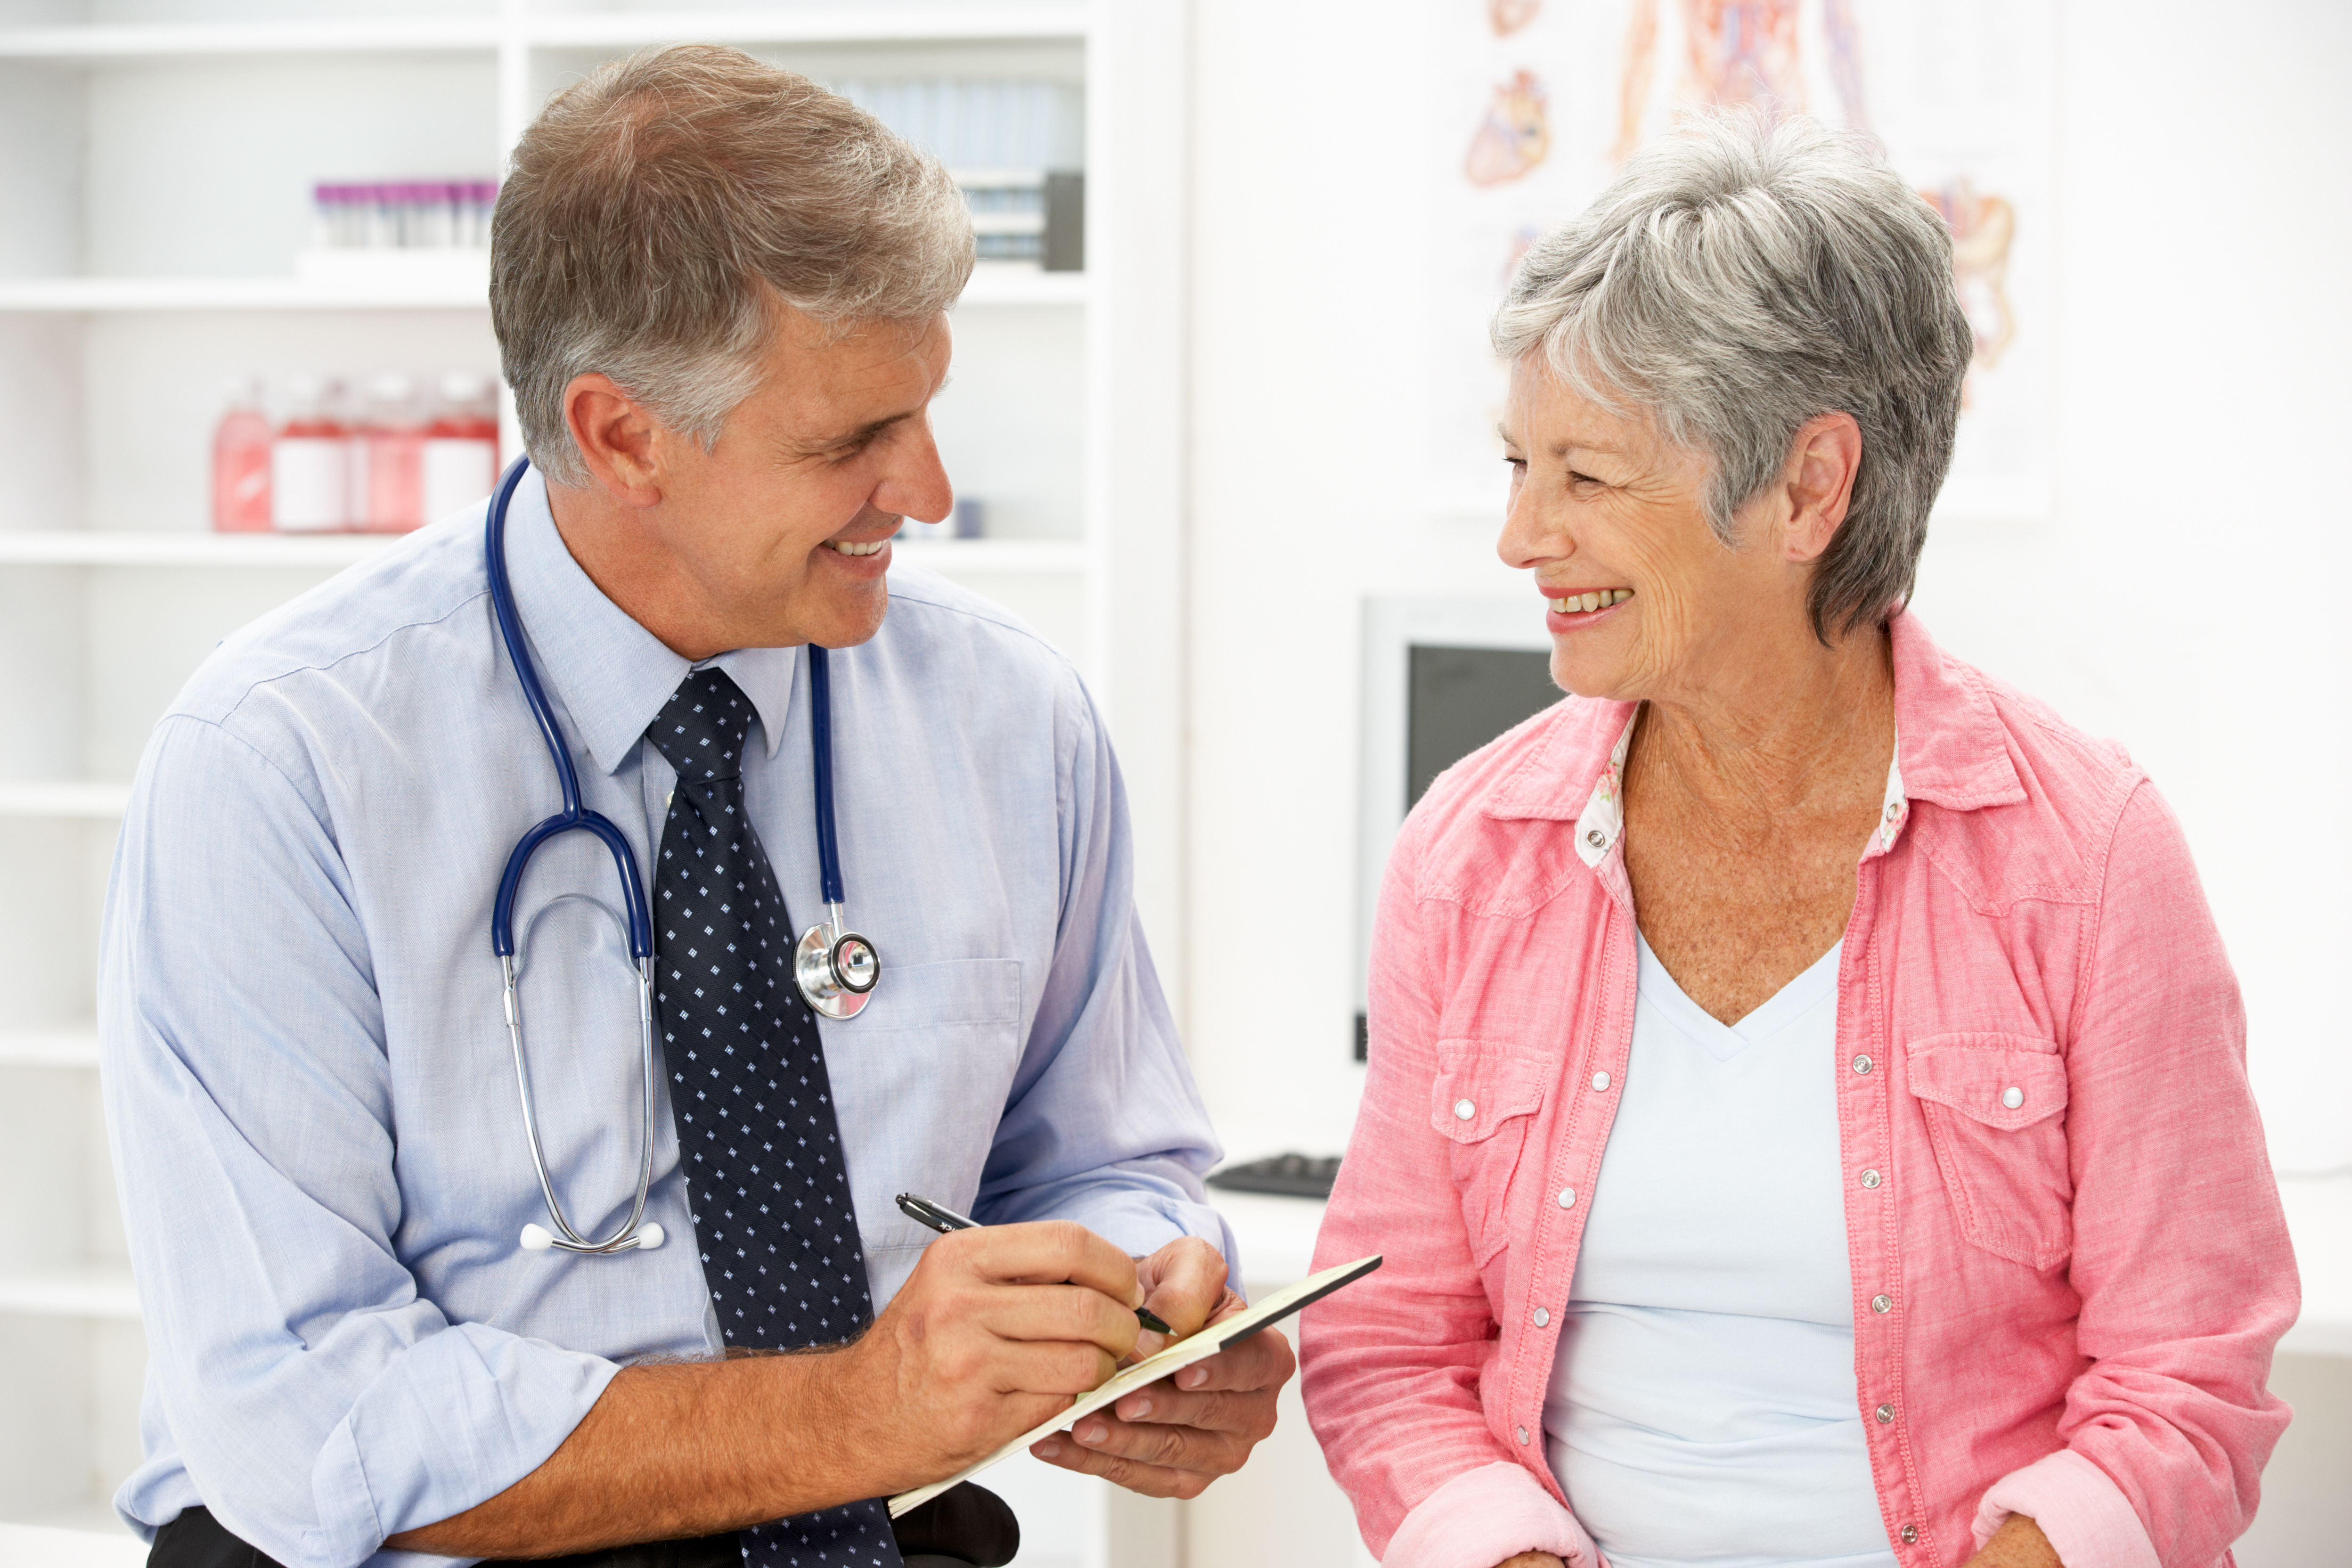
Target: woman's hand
[
  {"x": 1174, "y": 1437},
  {"x": 2018, "y": 1543}
]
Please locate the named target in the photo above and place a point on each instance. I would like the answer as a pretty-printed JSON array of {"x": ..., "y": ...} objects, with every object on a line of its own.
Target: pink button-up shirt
[{"x": 2069, "y": 1261}]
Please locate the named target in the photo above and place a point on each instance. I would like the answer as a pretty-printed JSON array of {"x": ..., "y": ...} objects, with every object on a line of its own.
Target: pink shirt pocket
[
  {"x": 1483, "y": 1101},
  {"x": 1995, "y": 1106}
]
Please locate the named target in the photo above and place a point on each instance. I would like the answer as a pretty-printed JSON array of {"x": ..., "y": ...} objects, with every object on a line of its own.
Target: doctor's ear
[{"x": 620, "y": 443}]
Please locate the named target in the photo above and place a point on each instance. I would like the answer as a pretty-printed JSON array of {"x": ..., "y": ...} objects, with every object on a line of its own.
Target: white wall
[{"x": 2177, "y": 598}]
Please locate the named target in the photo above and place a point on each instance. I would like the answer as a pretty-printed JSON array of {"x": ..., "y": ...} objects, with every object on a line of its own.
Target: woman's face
[{"x": 1609, "y": 516}]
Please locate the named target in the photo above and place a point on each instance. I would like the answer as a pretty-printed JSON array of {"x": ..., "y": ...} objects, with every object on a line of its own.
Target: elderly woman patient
[{"x": 1807, "y": 1120}]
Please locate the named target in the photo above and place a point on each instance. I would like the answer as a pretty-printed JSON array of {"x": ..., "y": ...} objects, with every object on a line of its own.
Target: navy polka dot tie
[{"x": 765, "y": 1179}]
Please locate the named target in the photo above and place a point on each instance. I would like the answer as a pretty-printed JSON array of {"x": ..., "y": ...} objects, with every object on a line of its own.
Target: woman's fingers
[{"x": 1136, "y": 1475}]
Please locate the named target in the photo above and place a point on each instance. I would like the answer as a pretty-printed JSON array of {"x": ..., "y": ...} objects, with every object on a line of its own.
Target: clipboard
[{"x": 1174, "y": 1359}]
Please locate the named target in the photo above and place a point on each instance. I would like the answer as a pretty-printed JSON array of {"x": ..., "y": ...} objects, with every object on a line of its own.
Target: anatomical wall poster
[{"x": 1537, "y": 104}]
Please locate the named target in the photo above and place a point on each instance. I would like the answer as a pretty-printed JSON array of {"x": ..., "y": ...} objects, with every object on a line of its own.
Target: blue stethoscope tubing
[{"x": 835, "y": 968}]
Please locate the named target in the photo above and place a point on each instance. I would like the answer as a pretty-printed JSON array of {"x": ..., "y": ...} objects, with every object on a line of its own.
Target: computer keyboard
[{"x": 1291, "y": 1175}]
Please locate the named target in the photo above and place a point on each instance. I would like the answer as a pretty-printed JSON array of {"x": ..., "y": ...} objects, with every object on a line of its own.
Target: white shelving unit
[{"x": 155, "y": 157}]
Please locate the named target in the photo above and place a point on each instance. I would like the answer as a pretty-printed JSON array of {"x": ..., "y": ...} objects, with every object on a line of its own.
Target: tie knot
[{"x": 700, "y": 730}]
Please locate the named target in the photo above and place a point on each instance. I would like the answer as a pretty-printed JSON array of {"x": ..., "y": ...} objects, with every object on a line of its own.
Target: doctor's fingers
[
  {"x": 1186, "y": 1281},
  {"x": 1045, "y": 1250},
  {"x": 1046, "y": 1313},
  {"x": 1050, "y": 1369}
]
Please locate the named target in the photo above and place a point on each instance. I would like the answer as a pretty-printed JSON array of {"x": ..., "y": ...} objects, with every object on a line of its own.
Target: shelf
[
  {"x": 104, "y": 547},
  {"x": 34, "y": 798},
  {"x": 871, "y": 23},
  {"x": 66, "y": 1047},
  {"x": 99, "y": 547},
  {"x": 1013, "y": 283},
  {"x": 90, "y": 1292},
  {"x": 955, "y": 557},
  {"x": 108, "y": 294},
  {"x": 141, "y": 41},
  {"x": 835, "y": 24},
  {"x": 998, "y": 283}
]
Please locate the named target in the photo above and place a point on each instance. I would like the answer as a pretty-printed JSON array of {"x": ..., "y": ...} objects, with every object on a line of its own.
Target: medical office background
[{"x": 1220, "y": 413}]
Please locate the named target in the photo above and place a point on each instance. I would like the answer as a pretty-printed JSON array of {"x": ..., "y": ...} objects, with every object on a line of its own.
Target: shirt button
[
  {"x": 1465, "y": 1109},
  {"x": 1910, "y": 1535},
  {"x": 1599, "y": 1081},
  {"x": 1568, "y": 1198},
  {"x": 1870, "y": 1178},
  {"x": 1884, "y": 1412},
  {"x": 1523, "y": 1436},
  {"x": 2012, "y": 1097},
  {"x": 1861, "y": 1064},
  {"x": 1598, "y": 839},
  {"x": 1894, "y": 809},
  {"x": 1882, "y": 1303},
  {"x": 1542, "y": 1317}
]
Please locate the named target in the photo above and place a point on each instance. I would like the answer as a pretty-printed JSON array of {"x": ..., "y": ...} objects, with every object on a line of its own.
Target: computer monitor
[{"x": 1442, "y": 678}]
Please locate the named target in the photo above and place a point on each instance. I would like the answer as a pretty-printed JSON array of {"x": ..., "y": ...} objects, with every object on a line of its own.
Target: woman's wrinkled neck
[{"x": 1783, "y": 726}]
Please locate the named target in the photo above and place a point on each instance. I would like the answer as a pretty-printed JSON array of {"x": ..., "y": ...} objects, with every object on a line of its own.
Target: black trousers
[{"x": 965, "y": 1527}]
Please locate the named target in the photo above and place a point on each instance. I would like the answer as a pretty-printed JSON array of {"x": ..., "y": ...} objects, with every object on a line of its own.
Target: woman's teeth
[
  {"x": 1576, "y": 601},
  {"x": 848, "y": 548}
]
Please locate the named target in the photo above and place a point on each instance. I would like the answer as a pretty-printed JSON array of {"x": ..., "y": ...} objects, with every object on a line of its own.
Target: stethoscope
[{"x": 835, "y": 968}]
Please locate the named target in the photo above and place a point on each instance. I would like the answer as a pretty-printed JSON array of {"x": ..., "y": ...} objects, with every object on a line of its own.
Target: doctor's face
[{"x": 779, "y": 530}]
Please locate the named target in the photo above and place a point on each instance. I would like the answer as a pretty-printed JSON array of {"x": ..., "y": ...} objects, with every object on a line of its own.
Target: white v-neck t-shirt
[{"x": 1702, "y": 1406}]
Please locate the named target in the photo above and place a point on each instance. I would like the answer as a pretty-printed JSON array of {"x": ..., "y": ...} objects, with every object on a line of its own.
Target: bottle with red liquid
[
  {"x": 241, "y": 461},
  {"x": 310, "y": 461},
  {"x": 388, "y": 453},
  {"x": 461, "y": 445}
]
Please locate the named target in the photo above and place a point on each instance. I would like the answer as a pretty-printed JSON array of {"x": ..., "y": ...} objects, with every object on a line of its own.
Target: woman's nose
[{"x": 1527, "y": 539}]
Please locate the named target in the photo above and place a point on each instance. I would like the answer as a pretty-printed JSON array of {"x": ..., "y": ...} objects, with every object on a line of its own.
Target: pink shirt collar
[{"x": 1950, "y": 750}]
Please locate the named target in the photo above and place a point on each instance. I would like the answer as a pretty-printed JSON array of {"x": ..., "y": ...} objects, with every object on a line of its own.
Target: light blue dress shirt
[
  {"x": 306, "y": 1067},
  {"x": 1702, "y": 1411}
]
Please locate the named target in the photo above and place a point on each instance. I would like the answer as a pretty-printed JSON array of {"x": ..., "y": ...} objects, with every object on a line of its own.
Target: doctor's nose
[{"x": 916, "y": 484}]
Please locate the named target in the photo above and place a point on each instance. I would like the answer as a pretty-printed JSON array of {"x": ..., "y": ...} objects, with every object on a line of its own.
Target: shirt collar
[
  {"x": 1949, "y": 749},
  {"x": 611, "y": 675}
]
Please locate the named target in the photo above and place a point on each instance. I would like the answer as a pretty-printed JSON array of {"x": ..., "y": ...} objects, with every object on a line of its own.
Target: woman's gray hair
[
  {"x": 656, "y": 212},
  {"x": 1740, "y": 279}
]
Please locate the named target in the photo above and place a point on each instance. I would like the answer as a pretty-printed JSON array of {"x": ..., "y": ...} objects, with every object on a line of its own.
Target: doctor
[{"x": 720, "y": 296}]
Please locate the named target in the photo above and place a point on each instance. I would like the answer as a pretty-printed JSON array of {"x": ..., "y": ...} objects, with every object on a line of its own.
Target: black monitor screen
[{"x": 1461, "y": 698}]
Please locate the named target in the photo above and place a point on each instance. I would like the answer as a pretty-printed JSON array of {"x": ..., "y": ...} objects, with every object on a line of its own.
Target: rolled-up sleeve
[
  {"x": 318, "y": 1403},
  {"x": 1105, "y": 1125},
  {"x": 2186, "y": 1283}
]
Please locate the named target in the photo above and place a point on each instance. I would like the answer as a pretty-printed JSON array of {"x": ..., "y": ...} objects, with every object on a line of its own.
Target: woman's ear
[
  {"x": 619, "y": 442},
  {"x": 1822, "y": 462}
]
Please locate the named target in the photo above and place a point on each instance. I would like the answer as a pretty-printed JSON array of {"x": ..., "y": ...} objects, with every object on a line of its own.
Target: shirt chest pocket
[
  {"x": 1484, "y": 1102},
  {"x": 1995, "y": 1106}
]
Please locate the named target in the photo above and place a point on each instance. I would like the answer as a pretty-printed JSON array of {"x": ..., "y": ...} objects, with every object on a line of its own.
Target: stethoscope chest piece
[{"x": 836, "y": 968}]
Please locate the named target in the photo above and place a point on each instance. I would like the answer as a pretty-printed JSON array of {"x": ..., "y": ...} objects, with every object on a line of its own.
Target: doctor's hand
[
  {"x": 996, "y": 1330},
  {"x": 1172, "y": 1437}
]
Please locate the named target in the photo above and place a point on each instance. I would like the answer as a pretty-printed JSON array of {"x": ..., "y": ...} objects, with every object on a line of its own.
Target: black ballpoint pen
[{"x": 941, "y": 1218}]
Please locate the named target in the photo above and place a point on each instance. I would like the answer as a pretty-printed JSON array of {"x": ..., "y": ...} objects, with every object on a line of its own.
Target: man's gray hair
[
  {"x": 1735, "y": 281},
  {"x": 657, "y": 213}
]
